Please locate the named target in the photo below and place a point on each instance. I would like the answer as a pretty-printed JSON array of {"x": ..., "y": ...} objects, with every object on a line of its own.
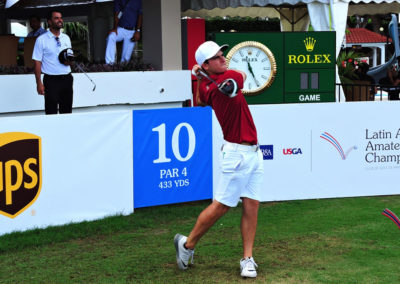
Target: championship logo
[
  {"x": 335, "y": 143},
  {"x": 20, "y": 172}
]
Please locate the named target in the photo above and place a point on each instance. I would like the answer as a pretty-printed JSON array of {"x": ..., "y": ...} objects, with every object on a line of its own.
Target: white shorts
[{"x": 242, "y": 174}]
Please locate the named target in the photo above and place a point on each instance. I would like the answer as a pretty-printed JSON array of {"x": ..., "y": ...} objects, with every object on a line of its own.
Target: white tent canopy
[
  {"x": 287, "y": 10},
  {"x": 359, "y": 7},
  {"x": 9, "y": 3}
]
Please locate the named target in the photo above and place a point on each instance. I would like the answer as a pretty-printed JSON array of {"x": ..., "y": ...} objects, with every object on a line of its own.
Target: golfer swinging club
[{"x": 241, "y": 159}]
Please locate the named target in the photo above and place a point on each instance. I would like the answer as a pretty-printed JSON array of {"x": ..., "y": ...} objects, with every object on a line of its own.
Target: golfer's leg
[
  {"x": 248, "y": 225},
  {"x": 206, "y": 219}
]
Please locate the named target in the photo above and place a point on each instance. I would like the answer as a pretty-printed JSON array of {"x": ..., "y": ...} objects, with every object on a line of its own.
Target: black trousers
[{"x": 58, "y": 93}]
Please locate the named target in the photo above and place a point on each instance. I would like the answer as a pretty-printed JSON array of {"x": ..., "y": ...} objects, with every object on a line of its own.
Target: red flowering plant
[{"x": 348, "y": 63}]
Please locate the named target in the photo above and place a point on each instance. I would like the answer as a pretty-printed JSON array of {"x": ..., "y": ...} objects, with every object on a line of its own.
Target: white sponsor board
[
  {"x": 112, "y": 88},
  {"x": 326, "y": 150},
  {"x": 87, "y": 168}
]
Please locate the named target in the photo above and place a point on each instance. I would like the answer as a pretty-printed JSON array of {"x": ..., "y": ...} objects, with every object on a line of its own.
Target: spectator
[
  {"x": 361, "y": 72},
  {"x": 34, "y": 23},
  {"x": 393, "y": 75},
  {"x": 57, "y": 80},
  {"x": 127, "y": 27},
  {"x": 391, "y": 81}
]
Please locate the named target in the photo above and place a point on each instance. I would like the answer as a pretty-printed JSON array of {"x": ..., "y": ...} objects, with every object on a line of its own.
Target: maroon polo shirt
[{"x": 233, "y": 114}]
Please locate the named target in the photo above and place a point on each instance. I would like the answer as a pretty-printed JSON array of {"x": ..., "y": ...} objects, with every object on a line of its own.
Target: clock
[{"x": 257, "y": 61}]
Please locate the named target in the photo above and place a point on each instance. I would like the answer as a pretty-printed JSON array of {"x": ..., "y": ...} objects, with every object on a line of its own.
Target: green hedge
[{"x": 242, "y": 25}]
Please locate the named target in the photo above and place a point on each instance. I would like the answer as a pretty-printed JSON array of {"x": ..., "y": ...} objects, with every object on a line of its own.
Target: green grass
[{"x": 311, "y": 241}]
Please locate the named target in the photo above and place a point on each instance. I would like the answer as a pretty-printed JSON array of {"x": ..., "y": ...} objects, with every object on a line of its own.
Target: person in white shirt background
[{"x": 57, "y": 85}]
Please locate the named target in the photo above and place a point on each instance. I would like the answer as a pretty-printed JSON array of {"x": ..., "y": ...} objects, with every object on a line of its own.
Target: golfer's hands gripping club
[
  {"x": 196, "y": 72},
  {"x": 228, "y": 87}
]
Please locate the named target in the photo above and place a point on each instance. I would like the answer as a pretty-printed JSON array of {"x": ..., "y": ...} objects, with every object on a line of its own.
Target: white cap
[{"x": 207, "y": 50}]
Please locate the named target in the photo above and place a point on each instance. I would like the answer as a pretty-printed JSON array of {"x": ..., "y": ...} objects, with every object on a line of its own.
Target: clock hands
[{"x": 252, "y": 73}]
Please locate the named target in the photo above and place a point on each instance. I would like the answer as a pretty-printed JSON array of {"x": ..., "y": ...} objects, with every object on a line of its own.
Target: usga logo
[
  {"x": 292, "y": 151},
  {"x": 20, "y": 172},
  {"x": 267, "y": 151}
]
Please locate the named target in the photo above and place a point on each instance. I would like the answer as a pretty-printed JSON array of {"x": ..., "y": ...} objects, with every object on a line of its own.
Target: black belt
[
  {"x": 127, "y": 28},
  {"x": 58, "y": 76}
]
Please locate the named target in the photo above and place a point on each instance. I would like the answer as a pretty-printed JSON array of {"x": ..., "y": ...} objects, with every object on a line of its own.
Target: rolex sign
[
  {"x": 302, "y": 64},
  {"x": 309, "y": 67}
]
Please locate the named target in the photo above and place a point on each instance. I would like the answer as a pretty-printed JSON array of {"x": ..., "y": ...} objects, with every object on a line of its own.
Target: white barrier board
[
  {"x": 326, "y": 150},
  {"x": 151, "y": 87},
  {"x": 86, "y": 168}
]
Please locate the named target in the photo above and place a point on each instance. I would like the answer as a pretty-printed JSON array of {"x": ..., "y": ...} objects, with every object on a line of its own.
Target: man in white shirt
[{"x": 57, "y": 80}]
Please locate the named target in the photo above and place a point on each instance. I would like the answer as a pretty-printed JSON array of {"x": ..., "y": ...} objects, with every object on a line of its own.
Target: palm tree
[{"x": 76, "y": 30}]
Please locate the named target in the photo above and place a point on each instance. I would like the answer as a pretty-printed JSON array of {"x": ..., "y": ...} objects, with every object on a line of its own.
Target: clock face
[{"x": 257, "y": 61}]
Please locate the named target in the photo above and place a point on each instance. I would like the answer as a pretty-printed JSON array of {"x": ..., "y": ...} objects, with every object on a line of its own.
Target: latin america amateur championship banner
[
  {"x": 326, "y": 150},
  {"x": 172, "y": 151}
]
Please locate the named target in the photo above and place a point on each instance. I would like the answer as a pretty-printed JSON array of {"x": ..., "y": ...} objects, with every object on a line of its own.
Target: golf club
[
  {"x": 68, "y": 55},
  {"x": 83, "y": 71}
]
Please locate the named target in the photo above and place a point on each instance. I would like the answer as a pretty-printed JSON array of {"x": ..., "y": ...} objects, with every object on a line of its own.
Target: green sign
[{"x": 305, "y": 65}]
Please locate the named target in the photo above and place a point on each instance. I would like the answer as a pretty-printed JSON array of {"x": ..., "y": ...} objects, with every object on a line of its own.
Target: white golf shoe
[
  {"x": 183, "y": 255},
  {"x": 248, "y": 267}
]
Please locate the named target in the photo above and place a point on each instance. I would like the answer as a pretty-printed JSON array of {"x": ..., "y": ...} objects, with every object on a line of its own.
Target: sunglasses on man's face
[{"x": 215, "y": 57}]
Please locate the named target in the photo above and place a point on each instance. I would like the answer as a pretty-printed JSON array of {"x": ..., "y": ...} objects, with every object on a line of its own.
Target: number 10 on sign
[{"x": 162, "y": 157}]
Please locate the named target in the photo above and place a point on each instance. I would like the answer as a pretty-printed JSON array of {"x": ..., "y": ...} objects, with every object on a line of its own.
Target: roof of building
[{"x": 362, "y": 35}]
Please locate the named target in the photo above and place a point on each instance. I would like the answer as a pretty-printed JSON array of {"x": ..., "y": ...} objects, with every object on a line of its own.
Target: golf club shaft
[
  {"x": 208, "y": 77},
  {"x": 83, "y": 71}
]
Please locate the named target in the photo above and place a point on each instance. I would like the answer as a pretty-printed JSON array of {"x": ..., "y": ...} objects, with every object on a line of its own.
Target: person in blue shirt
[
  {"x": 34, "y": 23},
  {"x": 128, "y": 19}
]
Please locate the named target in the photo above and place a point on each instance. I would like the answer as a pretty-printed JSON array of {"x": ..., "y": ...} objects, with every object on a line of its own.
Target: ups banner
[
  {"x": 20, "y": 171},
  {"x": 66, "y": 168}
]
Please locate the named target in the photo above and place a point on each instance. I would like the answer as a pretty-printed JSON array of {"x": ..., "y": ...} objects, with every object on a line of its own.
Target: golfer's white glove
[{"x": 195, "y": 72}]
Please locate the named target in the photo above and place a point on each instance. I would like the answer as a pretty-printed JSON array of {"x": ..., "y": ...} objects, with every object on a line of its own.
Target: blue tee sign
[{"x": 172, "y": 155}]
